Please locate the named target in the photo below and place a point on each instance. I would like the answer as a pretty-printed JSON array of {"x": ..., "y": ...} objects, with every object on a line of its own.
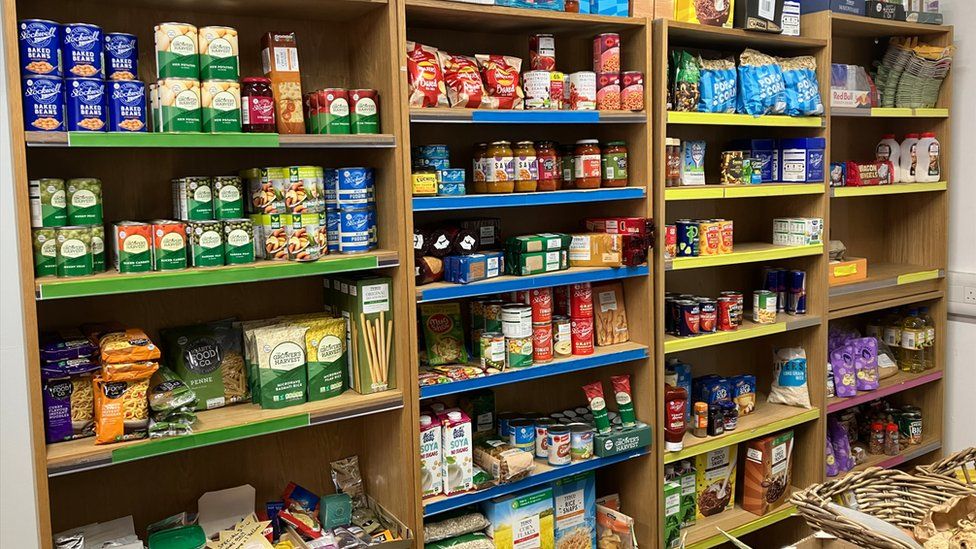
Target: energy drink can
[
  {"x": 689, "y": 318},
  {"x": 796, "y": 303},
  {"x": 687, "y": 238},
  {"x": 669, "y": 315},
  {"x": 774, "y": 280}
]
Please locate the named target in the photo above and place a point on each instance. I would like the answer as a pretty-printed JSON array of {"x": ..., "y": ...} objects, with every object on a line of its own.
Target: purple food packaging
[
  {"x": 273, "y": 508},
  {"x": 58, "y": 424},
  {"x": 64, "y": 345},
  {"x": 832, "y": 468},
  {"x": 841, "y": 445},
  {"x": 866, "y": 362},
  {"x": 69, "y": 367},
  {"x": 845, "y": 373}
]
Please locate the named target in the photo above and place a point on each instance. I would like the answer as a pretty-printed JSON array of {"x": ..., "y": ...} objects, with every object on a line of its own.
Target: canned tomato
[
  {"x": 40, "y": 47},
  {"x": 85, "y": 104},
  {"x": 177, "y": 51},
  {"x": 47, "y": 202},
  {"x": 84, "y": 201},
  {"x": 169, "y": 245},
  {"x": 542, "y": 437},
  {"x": 521, "y": 434},
  {"x": 707, "y": 315},
  {"x": 238, "y": 241},
  {"x": 537, "y": 85},
  {"x": 608, "y": 91},
  {"x": 724, "y": 314},
  {"x": 206, "y": 243},
  {"x": 632, "y": 91},
  {"x": 559, "y": 445},
  {"x": 127, "y": 106},
  {"x": 98, "y": 248},
  {"x": 132, "y": 244},
  {"x": 228, "y": 199},
  {"x": 581, "y": 441},
  {"x": 220, "y": 106},
  {"x": 689, "y": 318},
  {"x": 364, "y": 111},
  {"x": 517, "y": 320},
  {"x": 492, "y": 346},
  {"x": 74, "y": 254},
  {"x": 542, "y": 52},
  {"x": 725, "y": 236},
  {"x": 44, "y": 103},
  {"x": 557, "y": 90},
  {"x": 709, "y": 237},
  {"x": 582, "y": 335},
  {"x": 542, "y": 343},
  {"x": 332, "y": 113},
  {"x": 582, "y": 91},
  {"x": 581, "y": 300},
  {"x": 193, "y": 198},
  {"x": 45, "y": 251},
  {"x": 541, "y": 301},
  {"x": 764, "y": 307},
  {"x": 121, "y": 56},
  {"x": 357, "y": 229},
  {"x": 687, "y": 238},
  {"x": 179, "y": 105},
  {"x": 518, "y": 352},
  {"x": 218, "y": 53},
  {"x": 81, "y": 50},
  {"x": 355, "y": 187}
]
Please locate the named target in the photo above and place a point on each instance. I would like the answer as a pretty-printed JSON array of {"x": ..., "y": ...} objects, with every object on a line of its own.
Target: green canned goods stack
[
  {"x": 206, "y": 243},
  {"x": 74, "y": 250},
  {"x": 98, "y": 248},
  {"x": 84, "y": 201},
  {"x": 169, "y": 245},
  {"x": 238, "y": 241},
  {"x": 193, "y": 199},
  {"x": 45, "y": 252},
  {"x": 48, "y": 203},
  {"x": 220, "y": 102},
  {"x": 132, "y": 244},
  {"x": 228, "y": 197}
]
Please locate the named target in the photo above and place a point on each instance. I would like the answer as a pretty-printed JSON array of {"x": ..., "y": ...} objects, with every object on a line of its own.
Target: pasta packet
[
  {"x": 761, "y": 86},
  {"x": 686, "y": 92},
  {"x": 66, "y": 345},
  {"x": 501, "y": 77},
  {"x": 121, "y": 406},
  {"x": 208, "y": 358},
  {"x": 168, "y": 393},
  {"x": 425, "y": 76},
  {"x": 464, "y": 86},
  {"x": 717, "y": 85},
  {"x": 801, "y": 86},
  {"x": 69, "y": 407},
  {"x": 789, "y": 385},
  {"x": 130, "y": 345}
]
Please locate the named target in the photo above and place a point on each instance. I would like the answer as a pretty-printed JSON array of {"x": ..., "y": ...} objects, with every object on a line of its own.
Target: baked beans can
[
  {"x": 725, "y": 313},
  {"x": 542, "y": 52},
  {"x": 670, "y": 241},
  {"x": 582, "y": 91},
  {"x": 541, "y": 301},
  {"x": 560, "y": 441},
  {"x": 121, "y": 56},
  {"x": 689, "y": 318},
  {"x": 81, "y": 50},
  {"x": 132, "y": 243},
  {"x": 127, "y": 106},
  {"x": 687, "y": 238},
  {"x": 517, "y": 320},
  {"x": 581, "y": 300},
  {"x": 737, "y": 311},
  {"x": 518, "y": 352},
  {"x": 726, "y": 233},
  {"x": 557, "y": 90},
  {"x": 43, "y": 103},
  {"x": 581, "y": 441},
  {"x": 537, "y": 86},
  {"x": 606, "y": 52},
  {"x": 85, "y": 104},
  {"x": 364, "y": 111},
  {"x": 560, "y": 300},
  {"x": 492, "y": 350},
  {"x": 608, "y": 91},
  {"x": 764, "y": 307},
  {"x": 74, "y": 252},
  {"x": 542, "y": 436},
  {"x": 582, "y": 335},
  {"x": 709, "y": 236},
  {"x": 707, "y": 315},
  {"x": 632, "y": 91},
  {"x": 542, "y": 343},
  {"x": 562, "y": 336},
  {"x": 332, "y": 111},
  {"x": 169, "y": 245},
  {"x": 40, "y": 47}
]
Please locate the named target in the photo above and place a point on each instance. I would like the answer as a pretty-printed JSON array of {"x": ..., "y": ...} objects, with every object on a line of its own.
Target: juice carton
[
  {"x": 457, "y": 467},
  {"x": 431, "y": 456}
]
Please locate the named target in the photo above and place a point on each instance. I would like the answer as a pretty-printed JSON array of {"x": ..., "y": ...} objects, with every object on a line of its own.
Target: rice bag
[
  {"x": 790, "y": 378},
  {"x": 802, "y": 87},
  {"x": 686, "y": 91},
  {"x": 866, "y": 362},
  {"x": 761, "y": 86},
  {"x": 463, "y": 523},
  {"x": 464, "y": 86},
  {"x": 501, "y": 77},
  {"x": 425, "y": 76},
  {"x": 717, "y": 85},
  {"x": 845, "y": 373},
  {"x": 832, "y": 468}
]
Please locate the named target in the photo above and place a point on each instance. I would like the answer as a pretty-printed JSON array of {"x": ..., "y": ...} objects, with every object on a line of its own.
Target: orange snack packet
[
  {"x": 131, "y": 345},
  {"x": 121, "y": 405}
]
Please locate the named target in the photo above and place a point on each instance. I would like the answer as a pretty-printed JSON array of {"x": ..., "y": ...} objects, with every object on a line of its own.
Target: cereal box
[
  {"x": 715, "y": 13},
  {"x": 574, "y": 500},
  {"x": 715, "y": 481},
  {"x": 521, "y": 521},
  {"x": 768, "y": 467}
]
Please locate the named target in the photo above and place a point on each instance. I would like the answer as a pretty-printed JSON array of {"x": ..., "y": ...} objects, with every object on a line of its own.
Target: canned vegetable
[
  {"x": 169, "y": 245},
  {"x": 132, "y": 244},
  {"x": 45, "y": 251},
  {"x": 74, "y": 250},
  {"x": 206, "y": 243},
  {"x": 238, "y": 241},
  {"x": 47, "y": 203},
  {"x": 84, "y": 201}
]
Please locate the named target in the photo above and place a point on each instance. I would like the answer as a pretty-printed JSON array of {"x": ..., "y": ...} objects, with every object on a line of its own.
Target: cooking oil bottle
[
  {"x": 912, "y": 357},
  {"x": 891, "y": 328},
  {"x": 929, "y": 337}
]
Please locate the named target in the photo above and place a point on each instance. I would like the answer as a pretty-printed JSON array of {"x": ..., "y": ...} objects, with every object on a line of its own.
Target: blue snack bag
[
  {"x": 802, "y": 87},
  {"x": 717, "y": 85},
  {"x": 761, "y": 86}
]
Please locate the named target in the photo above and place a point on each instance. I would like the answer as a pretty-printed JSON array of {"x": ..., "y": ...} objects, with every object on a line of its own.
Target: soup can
[
  {"x": 518, "y": 352},
  {"x": 86, "y": 104},
  {"x": 689, "y": 317},
  {"x": 521, "y": 434},
  {"x": 169, "y": 245},
  {"x": 81, "y": 50},
  {"x": 40, "y": 47},
  {"x": 542, "y": 342},
  {"x": 121, "y": 56},
  {"x": 43, "y": 103},
  {"x": 581, "y": 443},
  {"x": 559, "y": 445},
  {"x": 542, "y": 437},
  {"x": 517, "y": 320},
  {"x": 562, "y": 337},
  {"x": 582, "y": 335},
  {"x": 541, "y": 301}
]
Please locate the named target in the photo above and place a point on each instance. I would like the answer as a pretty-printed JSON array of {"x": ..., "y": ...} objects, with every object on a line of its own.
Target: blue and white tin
[
  {"x": 121, "y": 56},
  {"x": 81, "y": 50},
  {"x": 43, "y": 103},
  {"x": 126, "y": 106},
  {"x": 40, "y": 47},
  {"x": 86, "y": 105},
  {"x": 332, "y": 229},
  {"x": 355, "y": 187},
  {"x": 331, "y": 189},
  {"x": 357, "y": 229}
]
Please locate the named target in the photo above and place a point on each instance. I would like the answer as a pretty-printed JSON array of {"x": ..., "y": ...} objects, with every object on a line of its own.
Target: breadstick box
[
  {"x": 610, "y": 313},
  {"x": 279, "y": 55},
  {"x": 365, "y": 302}
]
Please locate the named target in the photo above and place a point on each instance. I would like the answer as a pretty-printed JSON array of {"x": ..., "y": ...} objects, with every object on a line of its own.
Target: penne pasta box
[{"x": 365, "y": 302}]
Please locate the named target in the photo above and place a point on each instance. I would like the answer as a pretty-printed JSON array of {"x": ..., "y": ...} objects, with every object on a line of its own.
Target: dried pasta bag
[
  {"x": 168, "y": 393},
  {"x": 501, "y": 76},
  {"x": 69, "y": 407},
  {"x": 686, "y": 92},
  {"x": 281, "y": 365},
  {"x": 122, "y": 407},
  {"x": 130, "y": 345},
  {"x": 464, "y": 86},
  {"x": 443, "y": 333},
  {"x": 717, "y": 84},
  {"x": 66, "y": 345},
  {"x": 458, "y": 525},
  {"x": 504, "y": 462},
  {"x": 610, "y": 313},
  {"x": 761, "y": 86},
  {"x": 425, "y": 76},
  {"x": 208, "y": 358},
  {"x": 790, "y": 378},
  {"x": 802, "y": 90},
  {"x": 325, "y": 345}
]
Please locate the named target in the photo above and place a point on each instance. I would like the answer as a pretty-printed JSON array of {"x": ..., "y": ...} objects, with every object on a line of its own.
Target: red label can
[
  {"x": 522, "y": 296},
  {"x": 632, "y": 91},
  {"x": 541, "y": 342},
  {"x": 725, "y": 313},
  {"x": 582, "y": 330},
  {"x": 670, "y": 241},
  {"x": 725, "y": 236},
  {"x": 709, "y": 236},
  {"x": 541, "y": 301},
  {"x": 542, "y": 52},
  {"x": 310, "y": 107},
  {"x": 557, "y": 90},
  {"x": 581, "y": 300},
  {"x": 560, "y": 300}
]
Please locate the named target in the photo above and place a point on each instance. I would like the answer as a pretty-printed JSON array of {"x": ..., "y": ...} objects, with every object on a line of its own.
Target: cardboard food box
[
  {"x": 279, "y": 55},
  {"x": 768, "y": 464},
  {"x": 366, "y": 303},
  {"x": 610, "y": 314},
  {"x": 596, "y": 250},
  {"x": 759, "y": 15},
  {"x": 852, "y": 270},
  {"x": 575, "y": 510},
  {"x": 852, "y": 7},
  {"x": 715, "y": 473},
  {"x": 672, "y": 521},
  {"x": 529, "y": 515},
  {"x": 884, "y": 10},
  {"x": 714, "y": 13}
]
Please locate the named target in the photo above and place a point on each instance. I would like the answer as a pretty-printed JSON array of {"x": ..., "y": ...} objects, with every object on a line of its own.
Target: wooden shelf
[
  {"x": 765, "y": 419},
  {"x": 736, "y": 521},
  {"x": 441, "y": 14},
  {"x": 331, "y": 10},
  {"x": 602, "y": 356},
  {"x": 878, "y": 190},
  {"x": 118, "y": 283},
  {"x": 747, "y": 252},
  {"x": 881, "y": 277},
  {"x": 887, "y": 112},
  {"x": 704, "y": 36},
  {"x": 439, "y": 291},
  {"x": 857, "y": 26},
  {"x": 748, "y": 330},
  {"x": 217, "y": 426},
  {"x": 902, "y": 381},
  {"x": 725, "y": 119},
  {"x": 484, "y": 116},
  {"x": 208, "y": 140},
  {"x": 518, "y": 200},
  {"x": 929, "y": 444},
  {"x": 713, "y": 192}
]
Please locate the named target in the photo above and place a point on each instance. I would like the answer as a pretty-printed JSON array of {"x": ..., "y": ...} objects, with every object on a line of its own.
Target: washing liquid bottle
[
  {"x": 908, "y": 157},
  {"x": 912, "y": 343},
  {"x": 892, "y": 333},
  {"x": 929, "y": 337},
  {"x": 889, "y": 149}
]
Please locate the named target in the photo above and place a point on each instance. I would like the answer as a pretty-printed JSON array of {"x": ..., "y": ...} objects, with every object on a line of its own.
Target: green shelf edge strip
[
  {"x": 735, "y": 258},
  {"x": 742, "y": 436},
  {"x": 207, "y": 438},
  {"x": 747, "y": 528},
  {"x": 719, "y": 338},
  {"x": 191, "y": 277},
  {"x": 152, "y": 139}
]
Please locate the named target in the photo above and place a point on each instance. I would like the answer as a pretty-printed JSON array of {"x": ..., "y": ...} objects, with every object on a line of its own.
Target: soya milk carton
[
  {"x": 458, "y": 464},
  {"x": 431, "y": 456}
]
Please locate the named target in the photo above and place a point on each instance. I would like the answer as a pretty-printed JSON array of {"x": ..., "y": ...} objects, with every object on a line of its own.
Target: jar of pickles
[
  {"x": 568, "y": 169},
  {"x": 613, "y": 164},
  {"x": 479, "y": 172},
  {"x": 526, "y": 167},
  {"x": 586, "y": 164},
  {"x": 501, "y": 168},
  {"x": 550, "y": 172}
]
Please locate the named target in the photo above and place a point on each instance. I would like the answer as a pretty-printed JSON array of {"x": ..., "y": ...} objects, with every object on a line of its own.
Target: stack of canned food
[
  {"x": 338, "y": 111},
  {"x": 699, "y": 237},
  {"x": 68, "y": 235}
]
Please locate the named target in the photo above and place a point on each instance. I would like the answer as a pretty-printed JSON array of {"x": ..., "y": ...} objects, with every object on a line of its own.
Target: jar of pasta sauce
[
  {"x": 257, "y": 105},
  {"x": 586, "y": 164},
  {"x": 566, "y": 153},
  {"x": 614, "y": 164},
  {"x": 480, "y": 166},
  {"x": 550, "y": 172},
  {"x": 526, "y": 167},
  {"x": 501, "y": 168}
]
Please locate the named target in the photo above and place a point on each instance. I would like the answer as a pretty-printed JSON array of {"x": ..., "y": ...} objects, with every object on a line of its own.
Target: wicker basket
[
  {"x": 947, "y": 467},
  {"x": 891, "y": 495}
]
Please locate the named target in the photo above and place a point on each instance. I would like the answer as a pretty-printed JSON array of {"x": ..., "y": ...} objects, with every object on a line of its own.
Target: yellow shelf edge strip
[
  {"x": 749, "y": 191},
  {"x": 772, "y": 254},
  {"x": 741, "y": 436},
  {"x": 920, "y": 276},
  {"x": 693, "y": 193},
  {"x": 747, "y": 528},
  {"x": 932, "y": 112},
  {"x": 727, "y": 119},
  {"x": 897, "y": 188},
  {"x": 884, "y": 112},
  {"x": 719, "y": 338}
]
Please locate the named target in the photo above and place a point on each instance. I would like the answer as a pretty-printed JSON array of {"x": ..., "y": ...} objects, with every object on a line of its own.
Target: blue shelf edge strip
[
  {"x": 534, "y": 372},
  {"x": 433, "y": 203},
  {"x": 463, "y": 500},
  {"x": 561, "y": 278},
  {"x": 535, "y": 117}
]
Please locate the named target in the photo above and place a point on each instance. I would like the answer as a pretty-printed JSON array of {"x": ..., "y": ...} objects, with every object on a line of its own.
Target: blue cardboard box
[
  {"x": 616, "y": 8},
  {"x": 853, "y": 7}
]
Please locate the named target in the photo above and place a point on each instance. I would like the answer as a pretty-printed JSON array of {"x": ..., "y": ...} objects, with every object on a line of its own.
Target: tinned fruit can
[
  {"x": 724, "y": 313},
  {"x": 582, "y": 335},
  {"x": 581, "y": 441},
  {"x": 492, "y": 350},
  {"x": 541, "y": 301},
  {"x": 562, "y": 337},
  {"x": 581, "y": 300},
  {"x": 559, "y": 445},
  {"x": 169, "y": 245},
  {"x": 45, "y": 251},
  {"x": 542, "y": 350},
  {"x": 133, "y": 246},
  {"x": 518, "y": 352}
]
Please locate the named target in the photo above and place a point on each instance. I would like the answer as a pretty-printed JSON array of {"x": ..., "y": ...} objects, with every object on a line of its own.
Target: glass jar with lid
[
  {"x": 480, "y": 165},
  {"x": 613, "y": 164},
  {"x": 526, "y": 167},
  {"x": 566, "y": 153},
  {"x": 586, "y": 164},
  {"x": 501, "y": 168},
  {"x": 257, "y": 105},
  {"x": 550, "y": 172}
]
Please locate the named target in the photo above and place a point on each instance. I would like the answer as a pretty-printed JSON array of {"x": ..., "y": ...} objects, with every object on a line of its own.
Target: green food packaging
[
  {"x": 45, "y": 252},
  {"x": 672, "y": 522},
  {"x": 524, "y": 264},
  {"x": 335, "y": 510},
  {"x": 542, "y": 242},
  {"x": 365, "y": 301}
]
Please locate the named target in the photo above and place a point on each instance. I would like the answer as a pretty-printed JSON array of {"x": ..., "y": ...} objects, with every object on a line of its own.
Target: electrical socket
[{"x": 969, "y": 294}]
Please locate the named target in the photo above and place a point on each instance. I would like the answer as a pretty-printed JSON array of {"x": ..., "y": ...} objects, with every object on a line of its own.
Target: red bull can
[
  {"x": 774, "y": 280},
  {"x": 796, "y": 303}
]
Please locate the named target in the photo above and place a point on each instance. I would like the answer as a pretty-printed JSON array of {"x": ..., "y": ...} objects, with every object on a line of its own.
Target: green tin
[
  {"x": 179, "y": 105},
  {"x": 74, "y": 250},
  {"x": 45, "y": 252},
  {"x": 228, "y": 197},
  {"x": 238, "y": 241},
  {"x": 48, "y": 203},
  {"x": 132, "y": 244},
  {"x": 98, "y": 247},
  {"x": 84, "y": 201},
  {"x": 206, "y": 243},
  {"x": 364, "y": 111},
  {"x": 169, "y": 245},
  {"x": 220, "y": 102},
  {"x": 193, "y": 199}
]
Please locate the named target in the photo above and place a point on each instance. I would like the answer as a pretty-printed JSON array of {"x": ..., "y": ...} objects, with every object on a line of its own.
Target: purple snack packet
[
  {"x": 841, "y": 444},
  {"x": 832, "y": 468},
  {"x": 845, "y": 373},
  {"x": 65, "y": 345},
  {"x": 69, "y": 367},
  {"x": 59, "y": 422},
  {"x": 866, "y": 362}
]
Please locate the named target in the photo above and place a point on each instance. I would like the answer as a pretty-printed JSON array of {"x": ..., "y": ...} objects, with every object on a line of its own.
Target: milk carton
[
  {"x": 431, "y": 456},
  {"x": 457, "y": 468}
]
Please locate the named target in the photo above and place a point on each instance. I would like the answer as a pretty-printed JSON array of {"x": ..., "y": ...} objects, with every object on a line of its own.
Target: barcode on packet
[{"x": 767, "y": 9}]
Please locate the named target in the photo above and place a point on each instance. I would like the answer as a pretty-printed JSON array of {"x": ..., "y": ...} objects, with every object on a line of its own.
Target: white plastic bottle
[
  {"x": 889, "y": 149},
  {"x": 908, "y": 158},
  {"x": 929, "y": 168}
]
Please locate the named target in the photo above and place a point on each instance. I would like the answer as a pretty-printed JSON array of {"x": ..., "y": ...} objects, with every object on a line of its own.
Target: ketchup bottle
[{"x": 675, "y": 400}]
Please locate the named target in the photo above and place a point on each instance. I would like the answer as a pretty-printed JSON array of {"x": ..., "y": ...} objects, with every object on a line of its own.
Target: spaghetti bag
[
  {"x": 425, "y": 76},
  {"x": 464, "y": 86},
  {"x": 761, "y": 86},
  {"x": 121, "y": 405},
  {"x": 801, "y": 86},
  {"x": 501, "y": 76},
  {"x": 208, "y": 358},
  {"x": 717, "y": 84}
]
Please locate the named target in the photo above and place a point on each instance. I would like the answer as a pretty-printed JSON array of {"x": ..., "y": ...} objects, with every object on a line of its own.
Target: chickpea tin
[
  {"x": 220, "y": 104},
  {"x": 206, "y": 243},
  {"x": 43, "y": 103},
  {"x": 238, "y": 241},
  {"x": 40, "y": 47},
  {"x": 176, "y": 51},
  {"x": 169, "y": 245},
  {"x": 45, "y": 251},
  {"x": 86, "y": 104},
  {"x": 218, "y": 53},
  {"x": 74, "y": 253},
  {"x": 132, "y": 244},
  {"x": 127, "y": 106}
]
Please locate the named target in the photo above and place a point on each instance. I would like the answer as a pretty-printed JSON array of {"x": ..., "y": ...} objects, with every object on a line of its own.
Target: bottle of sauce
[
  {"x": 526, "y": 167},
  {"x": 699, "y": 421},
  {"x": 550, "y": 172},
  {"x": 586, "y": 164},
  {"x": 613, "y": 164},
  {"x": 892, "y": 445},
  {"x": 675, "y": 399},
  {"x": 566, "y": 153},
  {"x": 257, "y": 105},
  {"x": 572, "y": 6},
  {"x": 673, "y": 162},
  {"x": 501, "y": 165},
  {"x": 479, "y": 171}
]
